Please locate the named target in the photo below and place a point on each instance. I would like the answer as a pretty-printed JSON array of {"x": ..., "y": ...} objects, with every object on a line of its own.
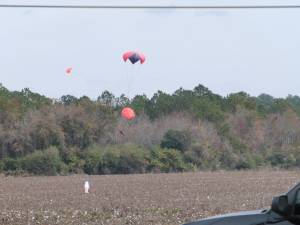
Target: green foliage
[
  {"x": 72, "y": 161},
  {"x": 45, "y": 162},
  {"x": 229, "y": 159},
  {"x": 123, "y": 159},
  {"x": 18, "y": 103},
  {"x": 240, "y": 99},
  {"x": 167, "y": 160},
  {"x": 246, "y": 161},
  {"x": 259, "y": 160},
  {"x": 234, "y": 132},
  {"x": 180, "y": 140},
  {"x": 107, "y": 98},
  {"x": 9, "y": 164},
  {"x": 294, "y": 102},
  {"x": 193, "y": 158},
  {"x": 68, "y": 99},
  {"x": 223, "y": 129},
  {"x": 121, "y": 102},
  {"x": 1, "y": 166},
  {"x": 282, "y": 159},
  {"x": 237, "y": 144},
  {"x": 160, "y": 104},
  {"x": 93, "y": 160},
  {"x": 264, "y": 104},
  {"x": 139, "y": 103}
]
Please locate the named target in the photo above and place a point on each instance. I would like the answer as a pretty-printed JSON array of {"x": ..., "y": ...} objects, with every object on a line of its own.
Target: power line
[{"x": 152, "y": 6}]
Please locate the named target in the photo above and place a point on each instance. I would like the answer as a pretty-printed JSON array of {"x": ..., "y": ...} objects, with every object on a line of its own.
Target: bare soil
[{"x": 160, "y": 199}]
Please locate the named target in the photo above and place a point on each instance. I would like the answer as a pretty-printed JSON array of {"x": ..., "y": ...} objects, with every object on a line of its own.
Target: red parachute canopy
[
  {"x": 69, "y": 70},
  {"x": 128, "y": 113},
  {"x": 134, "y": 57}
]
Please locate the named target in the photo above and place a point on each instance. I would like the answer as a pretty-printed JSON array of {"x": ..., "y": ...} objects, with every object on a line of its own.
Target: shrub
[
  {"x": 246, "y": 161},
  {"x": 229, "y": 159},
  {"x": 199, "y": 155},
  {"x": 124, "y": 159},
  {"x": 167, "y": 160},
  {"x": 10, "y": 164},
  {"x": 175, "y": 139},
  {"x": 1, "y": 166},
  {"x": 93, "y": 160},
  {"x": 45, "y": 162},
  {"x": 282, "y": 159},
  {"x": 73, "y": 160}
]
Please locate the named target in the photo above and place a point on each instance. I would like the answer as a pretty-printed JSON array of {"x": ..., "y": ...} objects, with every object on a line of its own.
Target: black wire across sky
[{"x": 233, "y": 7}]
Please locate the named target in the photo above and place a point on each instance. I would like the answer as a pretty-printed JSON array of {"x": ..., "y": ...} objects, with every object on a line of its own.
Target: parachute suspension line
[
  {"x": 127, "y": 75},
  {"x": 132, "y": 57},
  {"x": 131, "y": 80}
]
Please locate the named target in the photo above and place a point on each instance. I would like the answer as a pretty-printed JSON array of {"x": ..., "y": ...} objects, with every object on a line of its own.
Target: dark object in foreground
[{"x": 285, "y": 210}]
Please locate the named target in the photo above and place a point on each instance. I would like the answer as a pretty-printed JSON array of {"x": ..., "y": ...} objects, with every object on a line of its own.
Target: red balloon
[{"x": 128, "y": 113}]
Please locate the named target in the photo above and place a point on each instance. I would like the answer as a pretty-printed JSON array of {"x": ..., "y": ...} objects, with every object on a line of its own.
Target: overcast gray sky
[{"x": 257, "y": 51}]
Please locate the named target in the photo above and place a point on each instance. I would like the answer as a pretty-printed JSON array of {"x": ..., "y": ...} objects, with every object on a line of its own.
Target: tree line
[{"x": 187, "y": 130}]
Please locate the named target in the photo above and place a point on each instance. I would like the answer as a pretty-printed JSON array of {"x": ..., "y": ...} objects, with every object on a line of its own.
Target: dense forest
[{"x": 188, "y": 130}]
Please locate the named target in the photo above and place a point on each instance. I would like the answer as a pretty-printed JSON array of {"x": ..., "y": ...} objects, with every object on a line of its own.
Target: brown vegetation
[{"x": 188, "y": 130}]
